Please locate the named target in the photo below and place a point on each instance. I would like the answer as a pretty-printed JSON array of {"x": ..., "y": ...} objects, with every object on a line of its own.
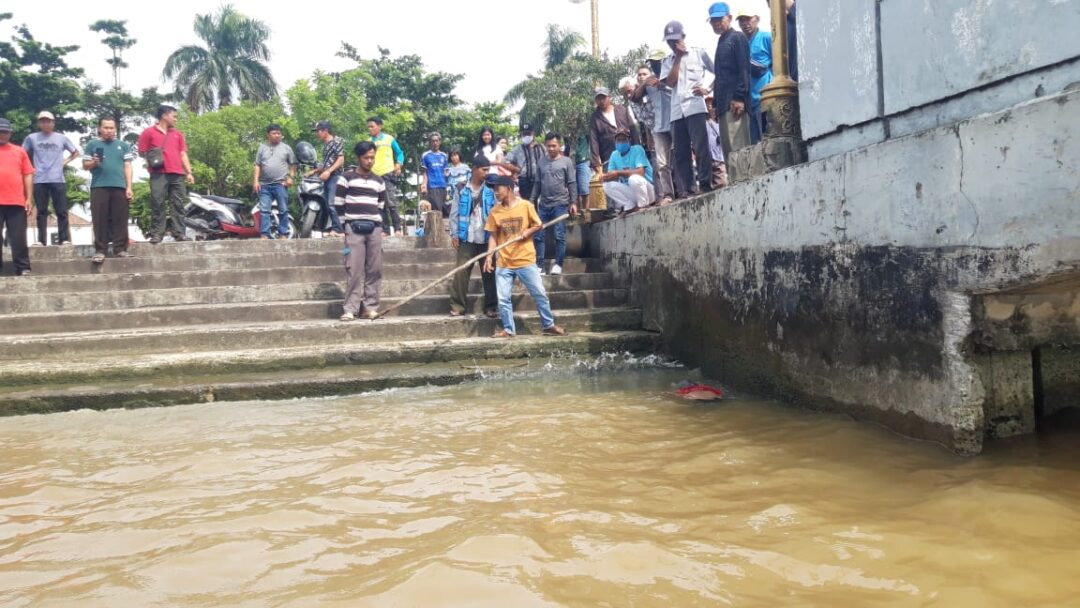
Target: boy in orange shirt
[{"x": 515, "y": 220}]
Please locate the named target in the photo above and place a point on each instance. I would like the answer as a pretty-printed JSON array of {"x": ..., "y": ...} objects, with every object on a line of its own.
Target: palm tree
[
  {"x": 560, "y": 45},
  {"x": 232, "y": 62}
]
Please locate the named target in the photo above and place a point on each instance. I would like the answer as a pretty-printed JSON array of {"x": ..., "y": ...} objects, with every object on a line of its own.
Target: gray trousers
[
  {"x": 734, "y": 134},
  {"x": 363, "y": 269},
  {"x": 664, "y": 186},
  {"x": 171, "y": 188},
  {"x": 459, "y": 285}
]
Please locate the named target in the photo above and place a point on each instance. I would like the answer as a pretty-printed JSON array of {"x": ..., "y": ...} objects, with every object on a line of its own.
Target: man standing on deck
[
  {"x": 388, "y": 161},
  {"x": 46, "y": 149},
  {"x": 468, "y": 215},
  {"x": 558, "y": 191},
  {"x": 514, "y": 220},
  {"x": 359, "y": 199},
  {"x": 165, "y": 150},
  {"x": 16, "y": 198},
  {"x": 330, "y": 169},
  {"x": 688, "y": 71},
  {"x": 109, "y": 162},
  {"x": 731, "y": 90},
  {"x": 275, "y": 167},
  {"x": 433, "y": 177}
]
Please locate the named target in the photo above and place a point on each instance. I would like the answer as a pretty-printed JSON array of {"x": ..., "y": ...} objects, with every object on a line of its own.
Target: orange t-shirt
[
  {"x": 506, "y": 223},
  {"x": 14, "y": 165}
]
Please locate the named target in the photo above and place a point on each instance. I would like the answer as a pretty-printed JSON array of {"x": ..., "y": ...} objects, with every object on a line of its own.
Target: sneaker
[
  {"x": 542, "y": 271},
  {"x": 25, "y": 273},
  {"x": 554, "y": 330},
  {"x": 154, "y": 240},
  {"x": 556, "y": 269}
]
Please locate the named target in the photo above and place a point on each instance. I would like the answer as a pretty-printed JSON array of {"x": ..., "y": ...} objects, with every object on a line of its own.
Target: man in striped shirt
[{"x": 359, "y": 200}]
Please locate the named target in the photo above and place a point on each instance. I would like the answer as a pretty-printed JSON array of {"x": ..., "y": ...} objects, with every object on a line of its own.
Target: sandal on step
[
  {"x": 502, "y": 333},
  {"x": 348, "y": 317}
]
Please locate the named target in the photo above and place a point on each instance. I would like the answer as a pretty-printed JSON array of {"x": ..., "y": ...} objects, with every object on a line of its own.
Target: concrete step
[
  {"x": 226, "y": 247},
  {"x": 240, "y": 261},
  {"x": 273, "y": 312},
  {"x": 90, "y": 281},
  {"x": 159, "y": 380},
  {"x": 135, "y": 291},
  {"x": 136, "y": 342}
]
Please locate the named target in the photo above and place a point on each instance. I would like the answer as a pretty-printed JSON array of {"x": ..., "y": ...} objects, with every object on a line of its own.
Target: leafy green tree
[
  {"x": 560, "y": 45},
  {"x": 231, "y": 65},
  {"x": 35, "y": 76},
  {"x": 560, "y": 99},
  {"x": 118, "y": 41}
]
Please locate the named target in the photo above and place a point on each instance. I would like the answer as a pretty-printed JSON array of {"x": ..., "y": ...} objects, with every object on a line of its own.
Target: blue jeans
[
  {"x": 546, "y": 215},
  {"x": 330, "y": 193},
  {"x": 267, "y": 194},
  {"x": 530, "y": 277}
]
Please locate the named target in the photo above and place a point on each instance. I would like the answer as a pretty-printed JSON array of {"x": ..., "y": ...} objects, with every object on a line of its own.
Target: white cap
[{"x": 45, "y": 114}]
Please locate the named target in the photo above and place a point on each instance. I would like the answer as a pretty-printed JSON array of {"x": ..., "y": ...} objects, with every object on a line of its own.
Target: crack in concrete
[{"x": 963, "y": 164}]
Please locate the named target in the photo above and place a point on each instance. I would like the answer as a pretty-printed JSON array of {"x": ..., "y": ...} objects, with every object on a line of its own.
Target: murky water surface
[{"x": 564, "y": 489}]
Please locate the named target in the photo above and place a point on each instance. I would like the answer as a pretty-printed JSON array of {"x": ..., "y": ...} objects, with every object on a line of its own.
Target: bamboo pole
[{"x": 462, "y": 267}]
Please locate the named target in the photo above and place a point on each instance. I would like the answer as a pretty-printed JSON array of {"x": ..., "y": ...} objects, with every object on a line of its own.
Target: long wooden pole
[{"x": 462, "y": 267}]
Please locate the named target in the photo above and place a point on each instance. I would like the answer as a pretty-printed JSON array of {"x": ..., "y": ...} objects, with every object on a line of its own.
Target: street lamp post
[
  {"x": 595, "y": 25},
  {"x": 780, "y": 98}
]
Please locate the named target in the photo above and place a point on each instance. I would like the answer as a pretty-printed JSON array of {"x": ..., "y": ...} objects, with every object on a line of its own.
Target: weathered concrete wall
[
  {"x": 873, "y": 70},
  {"x": 855, "y": 283}
]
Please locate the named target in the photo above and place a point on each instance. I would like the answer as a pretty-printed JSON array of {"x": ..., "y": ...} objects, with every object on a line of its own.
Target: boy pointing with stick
[{"x": 515, "y": 221}]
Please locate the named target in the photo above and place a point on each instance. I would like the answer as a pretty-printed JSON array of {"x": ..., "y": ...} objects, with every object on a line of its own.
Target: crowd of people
[{"x": 666, "y": 136}]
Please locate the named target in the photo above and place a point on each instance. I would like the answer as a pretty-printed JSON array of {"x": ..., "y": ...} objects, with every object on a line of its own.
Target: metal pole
[
  {"x": 596, "y": 28},
  {"x": 780, "y": 98}
]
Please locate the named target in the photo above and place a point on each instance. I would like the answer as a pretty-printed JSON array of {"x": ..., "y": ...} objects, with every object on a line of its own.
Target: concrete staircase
[{"x": 218, "y": 321}]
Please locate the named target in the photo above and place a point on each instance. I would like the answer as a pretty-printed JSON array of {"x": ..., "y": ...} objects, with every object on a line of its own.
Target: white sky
[{"x": 495, "y": 44}]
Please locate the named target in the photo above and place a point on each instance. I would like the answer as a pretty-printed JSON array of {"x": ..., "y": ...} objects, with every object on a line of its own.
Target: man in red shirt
[
  {"x": 16, "y": 197},
  {"x": 169, "y": 177}
]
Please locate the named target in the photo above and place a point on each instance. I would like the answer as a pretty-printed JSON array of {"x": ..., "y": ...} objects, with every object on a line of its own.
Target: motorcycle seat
[{"x": 224, "y": 200}]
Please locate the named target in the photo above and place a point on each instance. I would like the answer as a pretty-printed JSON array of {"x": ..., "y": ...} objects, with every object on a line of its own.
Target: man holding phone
[
  {"x": 109, "y": 162},
  {"x": 689, "y": 73}
]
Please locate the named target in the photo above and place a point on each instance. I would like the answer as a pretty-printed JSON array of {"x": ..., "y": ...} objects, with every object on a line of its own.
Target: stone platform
[{"x": 218, "y": 321}]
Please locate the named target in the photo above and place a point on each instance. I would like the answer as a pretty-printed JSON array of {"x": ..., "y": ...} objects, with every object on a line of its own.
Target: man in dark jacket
[
  {"x": 731, "y": 89},
  {"x": 607, "y": 120}
]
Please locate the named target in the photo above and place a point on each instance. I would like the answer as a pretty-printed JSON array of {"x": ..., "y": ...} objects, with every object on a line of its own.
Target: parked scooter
[
  {"x": 314, "y": 201},
  {"x": 209, "y": 217}
]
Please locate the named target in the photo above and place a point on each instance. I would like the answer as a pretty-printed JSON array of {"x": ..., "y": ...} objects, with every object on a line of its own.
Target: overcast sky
[{"x": 495, "y": 44}]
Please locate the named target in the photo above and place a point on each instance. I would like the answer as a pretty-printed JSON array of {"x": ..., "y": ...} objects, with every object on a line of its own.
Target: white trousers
[{"x": 626, "y": 197}]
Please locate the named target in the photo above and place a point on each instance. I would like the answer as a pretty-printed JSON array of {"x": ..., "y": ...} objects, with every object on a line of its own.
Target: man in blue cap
[
  {"x": 689, "y": 73},
  {"x": 731, "y": 90}
]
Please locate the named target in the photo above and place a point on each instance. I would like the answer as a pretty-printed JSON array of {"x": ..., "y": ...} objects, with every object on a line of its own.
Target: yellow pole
[{"x": 780, "y": 98}]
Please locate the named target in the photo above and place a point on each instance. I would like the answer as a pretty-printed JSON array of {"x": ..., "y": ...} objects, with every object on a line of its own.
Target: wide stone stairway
[{"x": 229, "y": 320}]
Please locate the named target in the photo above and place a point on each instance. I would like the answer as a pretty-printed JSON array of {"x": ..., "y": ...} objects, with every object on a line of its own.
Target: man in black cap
[
  {"x": 689, "y": 73},
  {"x": 16, "y": 197},
  {"x": 330, "y": 169},
  {"x": 524, "y": 163}
]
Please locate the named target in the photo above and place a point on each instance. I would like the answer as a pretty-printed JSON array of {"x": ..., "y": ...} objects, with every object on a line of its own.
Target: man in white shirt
[{"x": 689, "y": 73}]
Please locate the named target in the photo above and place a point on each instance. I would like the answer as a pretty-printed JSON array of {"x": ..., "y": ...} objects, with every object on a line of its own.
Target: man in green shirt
[{"x": 109, "y": 162}]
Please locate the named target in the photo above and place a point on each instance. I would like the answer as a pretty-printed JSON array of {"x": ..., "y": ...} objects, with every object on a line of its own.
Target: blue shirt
[
  {"x": 634, "y": 158},
  {"x": 435, "y": 163},
  {"x": 761, "y": 54},
  {"x": 48, "y": 153}
]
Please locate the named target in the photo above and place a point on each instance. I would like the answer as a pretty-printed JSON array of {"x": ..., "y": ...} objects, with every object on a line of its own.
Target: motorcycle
[
  {"x": 314, "y": 201},
  {"x": 209, "y": 217}
]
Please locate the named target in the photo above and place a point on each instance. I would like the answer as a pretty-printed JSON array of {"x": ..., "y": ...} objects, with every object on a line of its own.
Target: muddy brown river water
[{"x": 562, "y": 488}]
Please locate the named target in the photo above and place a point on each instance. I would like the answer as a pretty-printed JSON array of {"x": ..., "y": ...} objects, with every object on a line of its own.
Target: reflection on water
[{"x": 565, "y": 490}]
